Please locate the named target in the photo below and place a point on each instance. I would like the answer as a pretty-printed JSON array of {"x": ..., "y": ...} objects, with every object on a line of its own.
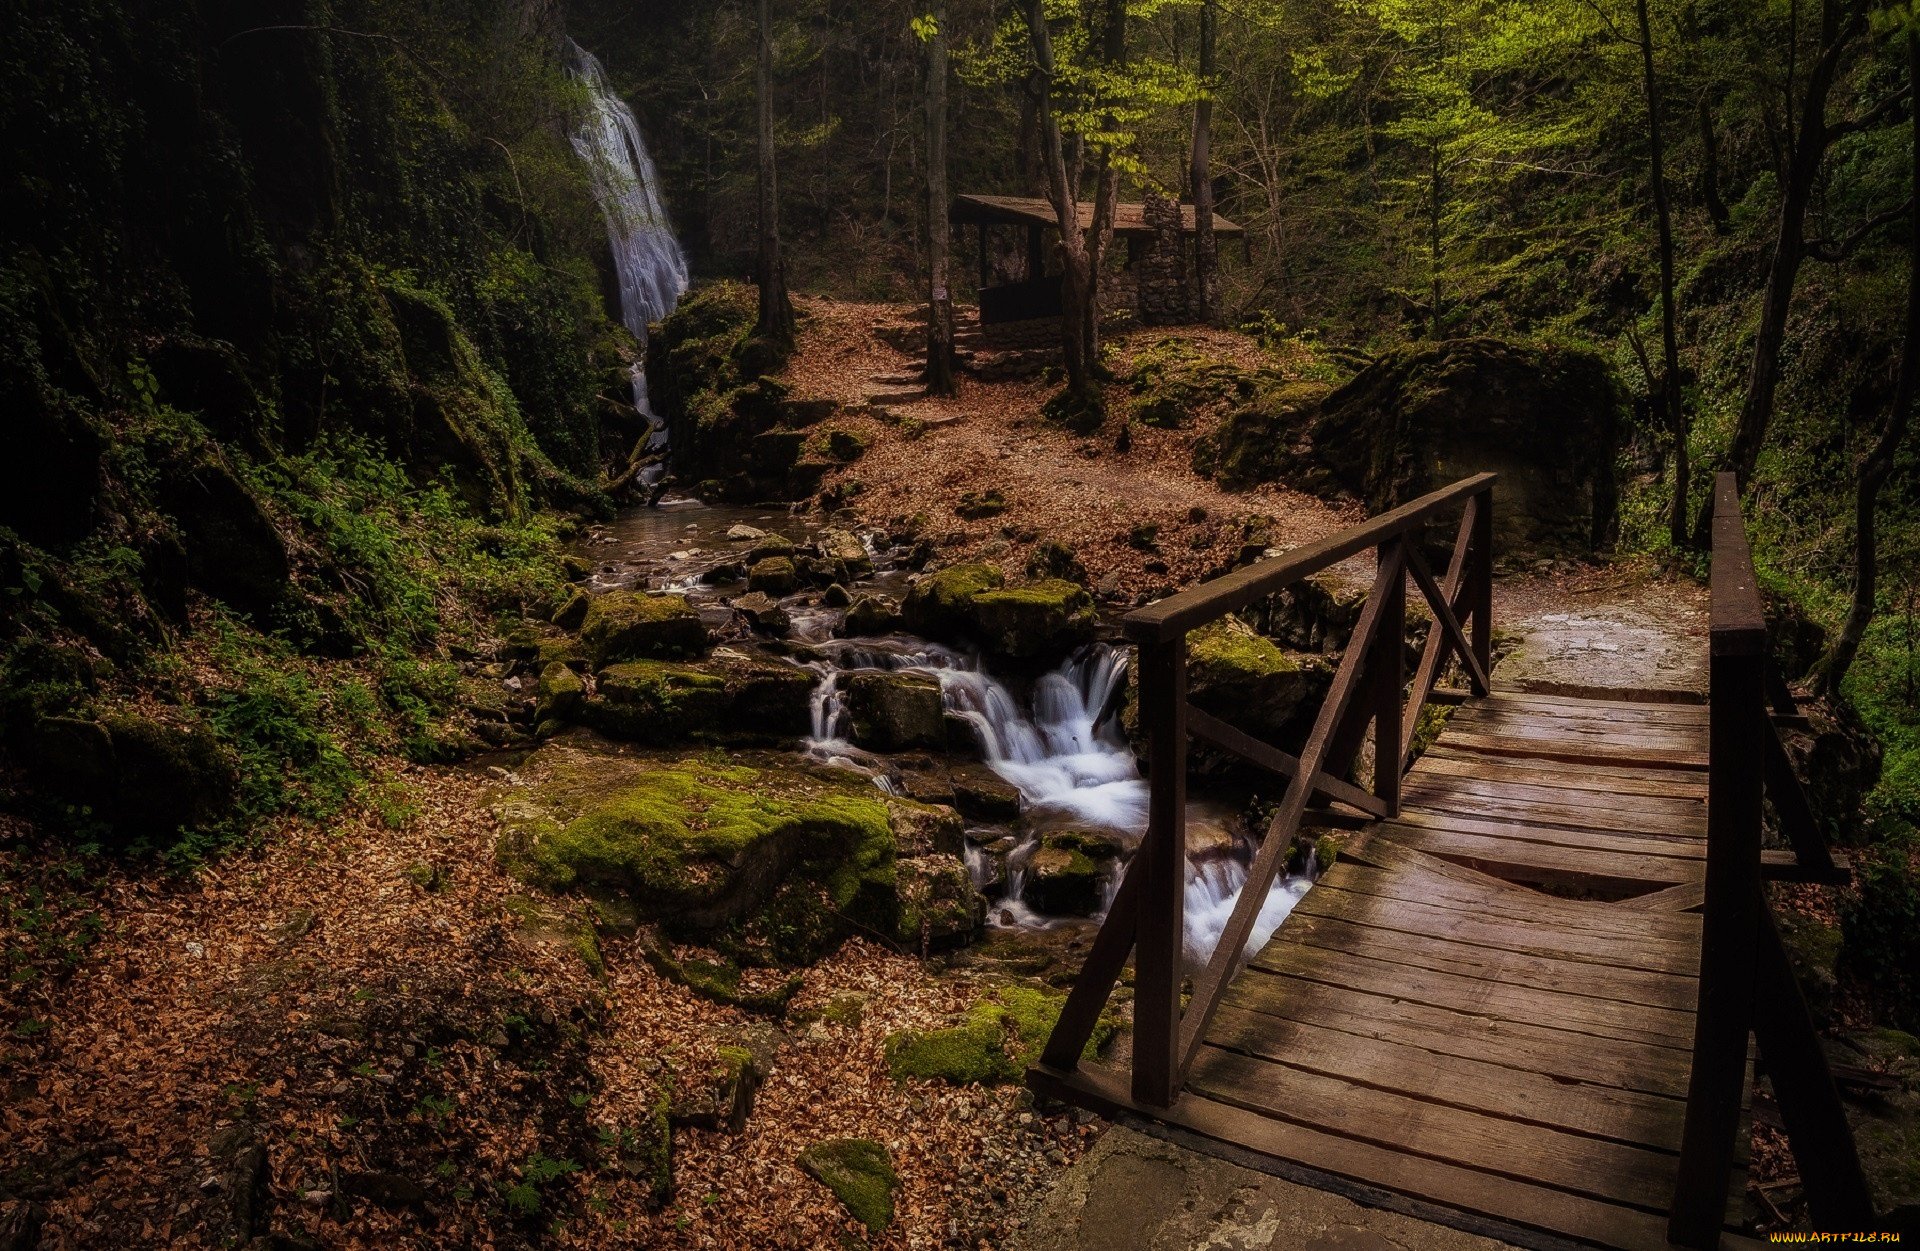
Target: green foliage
[
  {"x": 860, "y": 1174},
  {"x": 1000, "y": 1037},
  {"x": 1880, "y": 932}
]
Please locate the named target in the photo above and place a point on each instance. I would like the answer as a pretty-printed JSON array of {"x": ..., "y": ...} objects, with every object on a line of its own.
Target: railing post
[
  {"x": 1158, "y": 954},
  {"x": 1480, "y": 580},
  {"x": 1730, "y": 924},
  {"x": 1386, "y": 670}
]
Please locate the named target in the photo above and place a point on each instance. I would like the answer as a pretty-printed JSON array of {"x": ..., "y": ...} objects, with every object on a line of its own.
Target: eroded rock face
[{"x": 1545, "y": 419}]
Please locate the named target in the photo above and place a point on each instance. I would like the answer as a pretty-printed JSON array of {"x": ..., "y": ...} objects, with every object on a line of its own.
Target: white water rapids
[
  {"x": 1067, "y": 757},
  {"x": 646, "y": 255}
]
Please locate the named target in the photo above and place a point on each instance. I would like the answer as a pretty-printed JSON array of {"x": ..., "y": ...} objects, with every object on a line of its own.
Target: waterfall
[
  {"x": 647, "y": 256},
  {"x": 1066, "y": 755}
]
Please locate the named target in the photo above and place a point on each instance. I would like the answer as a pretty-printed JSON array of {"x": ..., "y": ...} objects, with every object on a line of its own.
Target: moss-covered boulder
[
  {"x": 776, "y": 575},
  {"x": 702, "y": 845},
  {"x": 940, "y": 605},
  {"x": 1063, "y": 880},
  {"x": 145, "y": 779},
  {"x": 732, "y": 697},
  {"x": 895, "y": 711},
  {"x": 938, "y": 906},
  {"x": 860, "y": 1174},
  {"x": 972, "y": 603},
  {"x": 572, "y": 613},
  {"x": 632, "y": 625},
  {"x": 1043, "y": 620},
  {"x": 870, "y": 616},
  {"x": 1236, "y": 673},
  {"x": 1422, "y": 416},
  {"x": 924, "y": 829},
  {"x": 561, "y": 694},
  {"x": 1001, "y": 1035},
  {"x": 983, "y": 795}
]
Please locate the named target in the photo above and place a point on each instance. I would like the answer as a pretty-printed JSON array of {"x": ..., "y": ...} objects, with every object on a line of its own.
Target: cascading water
[
  {"x": 647, "y": 256},
  {"x": 1067, "y": 757}
]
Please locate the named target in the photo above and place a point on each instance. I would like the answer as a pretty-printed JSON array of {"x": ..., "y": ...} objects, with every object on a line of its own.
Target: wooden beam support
[
  {"x": 1817, "y": 1130},
  {"x": 1213, "y": 730},
  {"x": 1161, "y": 954}
]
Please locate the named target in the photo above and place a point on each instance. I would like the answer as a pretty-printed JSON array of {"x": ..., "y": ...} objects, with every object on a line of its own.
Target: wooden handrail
[
  {"x": 1746, "y": 986},
  {"x": 1192, "y": 608},
  {"x": 1369, "y": 689}
]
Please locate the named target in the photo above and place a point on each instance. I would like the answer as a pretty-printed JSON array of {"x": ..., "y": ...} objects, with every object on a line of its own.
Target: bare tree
[{"x": 1878, "y": 465}]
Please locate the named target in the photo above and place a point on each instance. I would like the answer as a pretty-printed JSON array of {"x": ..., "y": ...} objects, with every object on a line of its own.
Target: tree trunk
[
  {"x": 1874, "y": 471},
  {"x": 1670, "y": 389},
  {"x": 1206, "y": 254},
  {"x": 1710, "y": 197},
  {"x": 776, "y": 308},
  {"x": 939, "y": 294},
  {"x": 1107, "y": 190},
  {"x": 1806, "y": 152},
  {"x": 1083, "y": 405},
  {"x": 1434, "y": 220}
]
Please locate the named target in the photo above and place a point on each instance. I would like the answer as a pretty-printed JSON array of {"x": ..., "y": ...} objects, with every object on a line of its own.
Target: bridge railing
[
  {"x": 1746, "y": 984},
  {"x": 1369, "y": 689}
]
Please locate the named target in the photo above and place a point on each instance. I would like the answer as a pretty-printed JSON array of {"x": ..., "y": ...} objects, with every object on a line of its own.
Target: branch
[
  {"x": 1847, "y": 245},
  {"x": 1870, "y": 118}
]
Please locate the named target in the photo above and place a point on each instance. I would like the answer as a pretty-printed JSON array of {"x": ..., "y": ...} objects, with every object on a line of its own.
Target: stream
[{"x": 1061, "y": 746}]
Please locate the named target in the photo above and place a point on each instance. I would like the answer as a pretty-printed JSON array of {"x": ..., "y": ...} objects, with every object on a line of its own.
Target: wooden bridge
[{"x": 1524, "y": 999}]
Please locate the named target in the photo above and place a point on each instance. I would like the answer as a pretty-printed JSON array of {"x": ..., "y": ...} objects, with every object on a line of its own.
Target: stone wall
[{"x": 1162, "y": 269}]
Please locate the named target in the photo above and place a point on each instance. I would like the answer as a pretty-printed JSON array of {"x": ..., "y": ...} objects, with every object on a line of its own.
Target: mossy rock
[
  {"x": 1240, "y": 675},
  {"x": 845, "y": 446},
  {"x": 775, "y": 575},
  {"x": 732, "y": 697},
  {"x": 561, "y": 693},
  {"x": 940, "y": 605},
  {"x": 979, "y": 505},
  {"x": 572, "y": 614},
  {"x": 860, "y": 1174},
  {"x": 1062, "y": 880},
  {"x": 1079, "y": 413},
  {"x": 704, "y": 845},
  {"x": 1049, "y": 559},
  {"x": 870, "y": 616},
  {"x": 146, "y": 779},
  {"x": 718, "y": 980},
  {"x": 1001, "y": 1036},
  {"x": 896, "y": 711},
  {"x": 983, "y": 795},
  {"x": 939, "y": 907},
  {"x": 924, "y": 829},
  {"x": 1043, "y": 620},
  {"x": 632, "y": 625}
]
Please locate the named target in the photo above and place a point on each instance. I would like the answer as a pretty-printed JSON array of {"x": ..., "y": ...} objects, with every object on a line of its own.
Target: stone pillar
[{"x": 1163, "y": 266}]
